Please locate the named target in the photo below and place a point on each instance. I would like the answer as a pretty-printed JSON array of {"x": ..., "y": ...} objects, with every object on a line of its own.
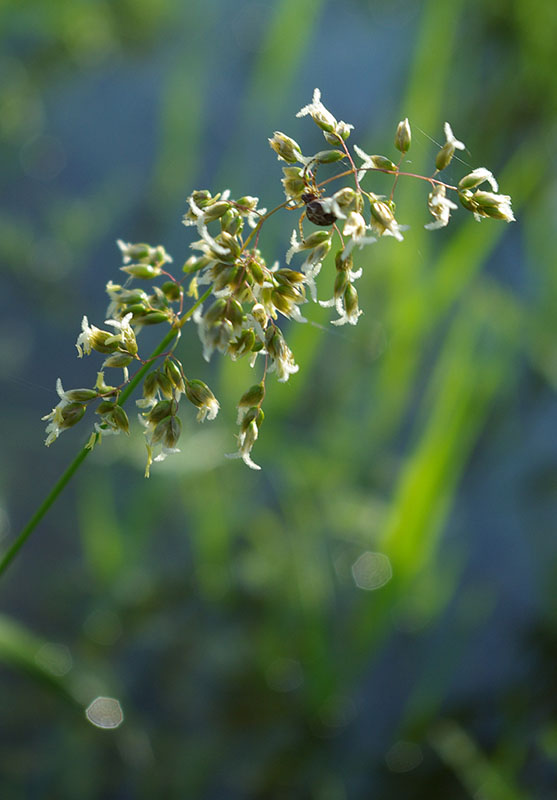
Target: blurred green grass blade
[
  {"x": 420, "y": 293},
  {"x": 478, "y": 774},
  {"x": 474, "y": 365},
  {"x": 547, "y": 740},
  {"x": 282, "y": 52},
  {"x": 182, "y": 115},
  {"x": 467, "y": 377},
  {"x": 419, "y": 305},
  {"x": 432, "y": 63},
  {"x": 21, "y": 649},
  {"x": 101, "y": 534},
  {"x": 211, "y": 531},
  {"x": 181, "y": 123},
  {"x": 539, "y": 239},
  {"x": 424, "y": 104}
]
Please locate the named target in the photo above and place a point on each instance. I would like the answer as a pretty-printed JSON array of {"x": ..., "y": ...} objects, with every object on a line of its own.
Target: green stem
[
  {"x": 261, "y": 221},
  {"x": 14, "y": 548},
  {"x": 352, "y": 165},
  {"x": 65, "y": 478}
]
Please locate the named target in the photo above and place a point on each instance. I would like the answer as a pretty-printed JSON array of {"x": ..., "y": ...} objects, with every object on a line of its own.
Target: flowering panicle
[{"x": 238, "y": 299}]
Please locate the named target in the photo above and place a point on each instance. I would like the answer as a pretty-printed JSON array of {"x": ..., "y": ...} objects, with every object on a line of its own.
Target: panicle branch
[{"x": 237, "y": 299}]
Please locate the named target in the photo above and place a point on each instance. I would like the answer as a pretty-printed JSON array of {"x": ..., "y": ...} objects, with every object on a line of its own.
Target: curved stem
[
  {"x": 390, "y": 172},
  {"x": 396, "y": 177},
  {"x": 353, "y": 170},
  {"x": 66, "y": 476},
  {"x": 261, "y": 221},
  {"x": 190, "y": 311}
]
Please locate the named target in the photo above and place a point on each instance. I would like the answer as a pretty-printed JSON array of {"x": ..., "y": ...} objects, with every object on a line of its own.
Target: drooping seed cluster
[{"x": 242, "y": 297}]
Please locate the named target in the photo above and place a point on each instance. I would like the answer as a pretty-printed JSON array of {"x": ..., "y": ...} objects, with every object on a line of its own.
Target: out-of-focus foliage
[{"x": 248, "y": 624}]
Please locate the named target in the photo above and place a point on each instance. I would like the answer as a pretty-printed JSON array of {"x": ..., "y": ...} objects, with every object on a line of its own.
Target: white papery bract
[{"x": 440, "y": 207}]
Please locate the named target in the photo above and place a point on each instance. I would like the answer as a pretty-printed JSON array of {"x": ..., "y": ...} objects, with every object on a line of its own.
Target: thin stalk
[
  {"x": 353, "y": 166},
  {"x": 14, "y": 548},
  {"x": 389, "y": 172},
  {"x": 65, "y": 478},
  {"x": 401, "y": 159},
  {"x": 261, "y": 221}
]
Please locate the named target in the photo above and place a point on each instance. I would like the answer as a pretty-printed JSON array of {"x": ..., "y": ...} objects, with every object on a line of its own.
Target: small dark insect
[{"x": 318, "y": 209}]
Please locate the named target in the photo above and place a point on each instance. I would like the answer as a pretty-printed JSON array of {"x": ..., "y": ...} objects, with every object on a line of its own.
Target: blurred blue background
[{"x": 233, "y": 614}]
